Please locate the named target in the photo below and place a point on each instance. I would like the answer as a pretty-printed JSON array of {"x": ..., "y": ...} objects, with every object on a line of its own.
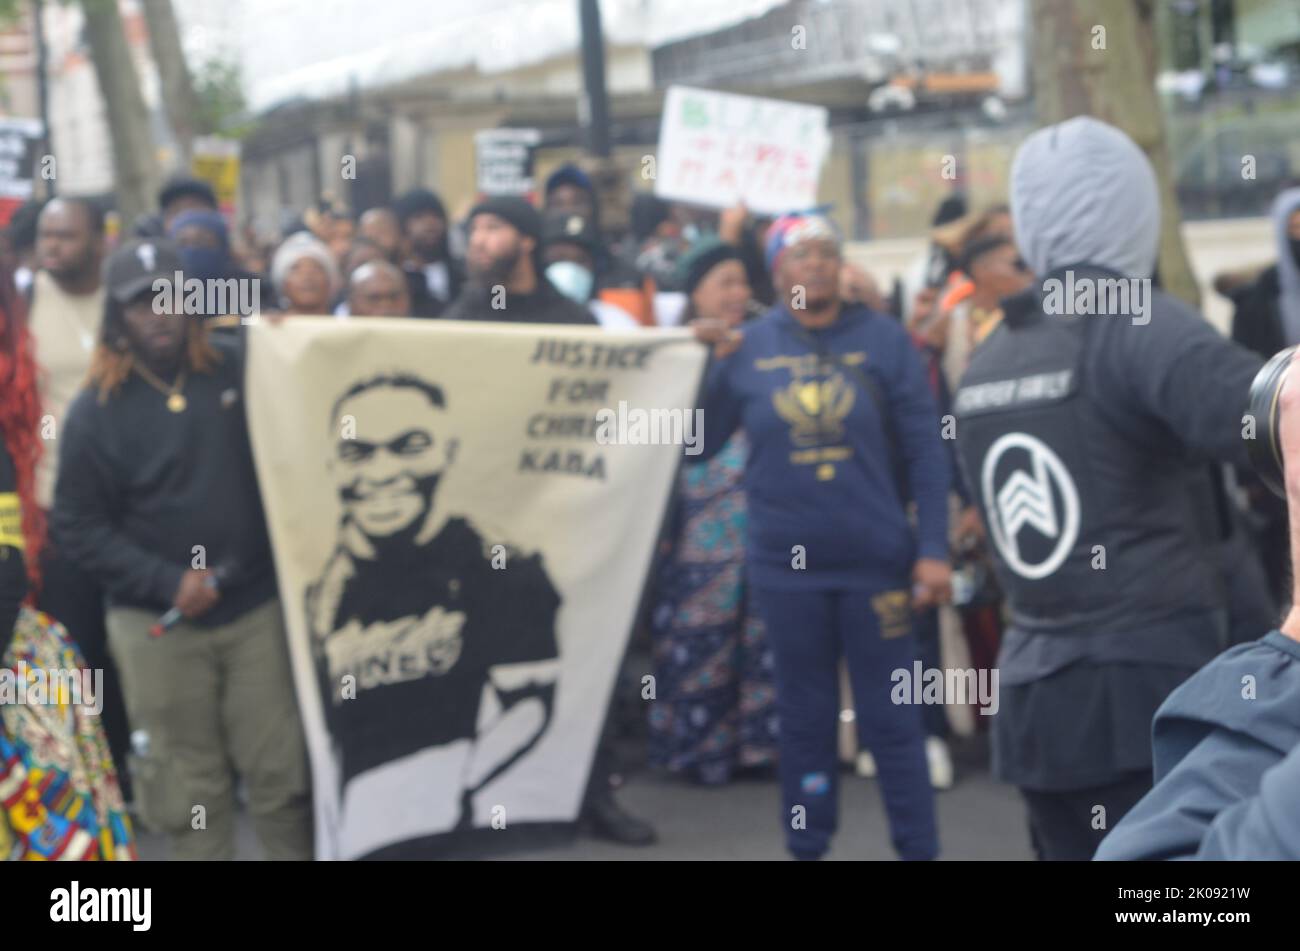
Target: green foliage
[{"x": 220, "y": 95}]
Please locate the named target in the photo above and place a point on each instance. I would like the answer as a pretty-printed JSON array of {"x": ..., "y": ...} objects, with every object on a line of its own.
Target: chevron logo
[
  {"x": 1026, "y": 500},
  {"x": 1023, "y": 500}
]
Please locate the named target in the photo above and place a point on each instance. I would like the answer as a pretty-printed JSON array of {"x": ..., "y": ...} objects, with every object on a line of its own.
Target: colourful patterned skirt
[
  {"x": 715, "y": 704},
  {"x": 59, "y": 797}
]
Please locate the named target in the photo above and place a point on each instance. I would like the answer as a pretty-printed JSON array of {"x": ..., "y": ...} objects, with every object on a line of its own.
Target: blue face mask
[
  {"x": 206, "y": 264},
  {"x": 572, "y": 280}
]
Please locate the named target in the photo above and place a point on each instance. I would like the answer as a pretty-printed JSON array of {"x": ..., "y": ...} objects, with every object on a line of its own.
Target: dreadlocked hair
[
  {"x": 20, "y": 421},
  {"x": 112, "y": 360}
]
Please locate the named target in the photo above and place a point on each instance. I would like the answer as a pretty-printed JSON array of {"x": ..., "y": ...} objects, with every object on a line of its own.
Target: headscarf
[{"x": 789, "y": 230}]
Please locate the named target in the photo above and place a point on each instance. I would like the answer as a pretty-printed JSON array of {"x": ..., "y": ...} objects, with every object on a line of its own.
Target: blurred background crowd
[{"x": 330, "y": 162}]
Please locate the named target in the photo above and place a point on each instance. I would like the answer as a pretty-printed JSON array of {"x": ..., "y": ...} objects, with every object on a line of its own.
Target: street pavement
[{"x": 979, "y": 818}]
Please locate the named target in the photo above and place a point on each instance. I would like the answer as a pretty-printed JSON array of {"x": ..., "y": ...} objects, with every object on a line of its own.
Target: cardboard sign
[
  {"x": 216, "y": 161},
  {"x": 717, "y": 148},
  {"x": 20, "y": 141},
  {"x": 505, "y": 160}
]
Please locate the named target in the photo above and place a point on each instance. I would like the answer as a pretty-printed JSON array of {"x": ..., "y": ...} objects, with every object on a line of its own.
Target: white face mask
[{"x": 572, "y": 280}]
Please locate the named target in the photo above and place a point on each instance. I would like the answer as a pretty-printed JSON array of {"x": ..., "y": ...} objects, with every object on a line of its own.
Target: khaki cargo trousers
[{"x": 207, "y": 705}]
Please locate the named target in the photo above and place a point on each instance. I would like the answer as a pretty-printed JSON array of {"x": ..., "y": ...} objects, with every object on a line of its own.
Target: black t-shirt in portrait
[{"x": 418, "y": 633}]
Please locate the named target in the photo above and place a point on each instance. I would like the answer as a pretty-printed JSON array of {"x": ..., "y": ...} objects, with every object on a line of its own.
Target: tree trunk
[
  {"x": 174, "y": 76},
  {"x": 135, "y": 166},
  {"x": 1117, "y": 85}
]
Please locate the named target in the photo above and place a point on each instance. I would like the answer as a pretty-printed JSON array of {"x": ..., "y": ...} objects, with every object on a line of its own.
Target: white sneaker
[
  {"x": 865, "y": 765},
  {"x": 940, "y": 762}
]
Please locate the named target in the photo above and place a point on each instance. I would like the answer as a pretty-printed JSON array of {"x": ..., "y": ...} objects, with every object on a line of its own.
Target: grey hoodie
[
  {"x": 1083, "y": 193},
  {"x": 1288, "y": 271}
]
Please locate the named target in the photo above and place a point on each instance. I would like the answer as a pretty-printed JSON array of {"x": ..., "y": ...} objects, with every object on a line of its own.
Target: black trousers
[
  {"x": 1064, "y": 825},
  {"x": 75, "y": 600}
]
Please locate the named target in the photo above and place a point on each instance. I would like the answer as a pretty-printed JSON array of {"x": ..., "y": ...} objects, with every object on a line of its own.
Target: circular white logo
[{"x": 1025, "y": 497}]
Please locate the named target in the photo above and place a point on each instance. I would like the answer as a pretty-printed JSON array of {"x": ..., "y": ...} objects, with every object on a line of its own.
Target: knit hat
[
  {"x": 295, "y": 247},
  {"x": 518, "y": 211},
  {"x": 696, "y": 264},
  {"x": 186, "y": 186},
  {"x": 570, "y": 174},
  {"x": 418, "y": 201}
]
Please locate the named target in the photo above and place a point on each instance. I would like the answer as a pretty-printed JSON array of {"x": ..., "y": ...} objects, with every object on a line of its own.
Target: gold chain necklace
[{"x": 175, "y": 398}]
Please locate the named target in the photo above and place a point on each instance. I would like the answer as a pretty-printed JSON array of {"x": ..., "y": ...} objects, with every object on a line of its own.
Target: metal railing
[{"x": 865, "y": 39}]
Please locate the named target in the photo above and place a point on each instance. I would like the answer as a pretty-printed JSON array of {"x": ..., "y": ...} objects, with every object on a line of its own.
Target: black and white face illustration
[{"x": 392, "y": 448}]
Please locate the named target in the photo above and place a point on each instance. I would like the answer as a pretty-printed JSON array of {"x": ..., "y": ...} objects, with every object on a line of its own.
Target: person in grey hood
[
  {"x": 1227, "y": 742},
  {"x": 1266, "y": 319},
  {"x": 1085, "y": 423},
  {"x": 1267, "y": 315}
]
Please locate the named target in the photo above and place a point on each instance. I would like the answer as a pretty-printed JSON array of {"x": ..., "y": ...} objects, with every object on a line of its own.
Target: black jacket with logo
[
  {"x": 1086, "y": 443},
  {"x": 1117, "y": 419}
]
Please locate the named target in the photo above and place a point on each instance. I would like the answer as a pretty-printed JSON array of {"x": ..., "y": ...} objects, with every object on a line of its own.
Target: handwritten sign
[{"x": 718, "y": 148}]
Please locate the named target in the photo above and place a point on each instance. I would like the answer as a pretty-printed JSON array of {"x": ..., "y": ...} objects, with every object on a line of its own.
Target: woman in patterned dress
[
  {"x": 59, "y": 796},
  {"x": 714, "y": 709}
]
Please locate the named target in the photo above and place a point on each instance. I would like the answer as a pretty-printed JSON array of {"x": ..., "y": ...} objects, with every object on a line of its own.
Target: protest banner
[
  {"x": 463, "y": 517},
  {"x": 718, "y": 148}
]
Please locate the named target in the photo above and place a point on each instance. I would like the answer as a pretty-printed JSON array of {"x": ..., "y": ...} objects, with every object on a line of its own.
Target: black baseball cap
[
  {"x": 567, "y": 228},
  {"x": 136, "y": 263}
]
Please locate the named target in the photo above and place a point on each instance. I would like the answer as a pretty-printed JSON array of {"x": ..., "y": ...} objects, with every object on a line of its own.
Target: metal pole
[
  {"x": 42, "y": 82},
  {"x": 595, "y": 104}
]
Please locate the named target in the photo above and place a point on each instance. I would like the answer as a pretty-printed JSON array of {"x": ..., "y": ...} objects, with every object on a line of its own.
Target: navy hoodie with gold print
[{"x": 826, "y": 502}]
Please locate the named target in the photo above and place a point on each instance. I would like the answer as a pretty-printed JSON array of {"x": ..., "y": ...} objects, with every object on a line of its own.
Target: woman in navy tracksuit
[{"x": 843, "y": 429}]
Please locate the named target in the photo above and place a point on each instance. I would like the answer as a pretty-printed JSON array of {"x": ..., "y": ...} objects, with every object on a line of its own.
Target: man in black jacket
[
  {"x": 423, "y": 222},
  {"x": 506, "y": 283},
  {"x": 158, "y": 501},
  {"x": 505, "y": 274},
  {"x": 1085, "y": 423}
]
